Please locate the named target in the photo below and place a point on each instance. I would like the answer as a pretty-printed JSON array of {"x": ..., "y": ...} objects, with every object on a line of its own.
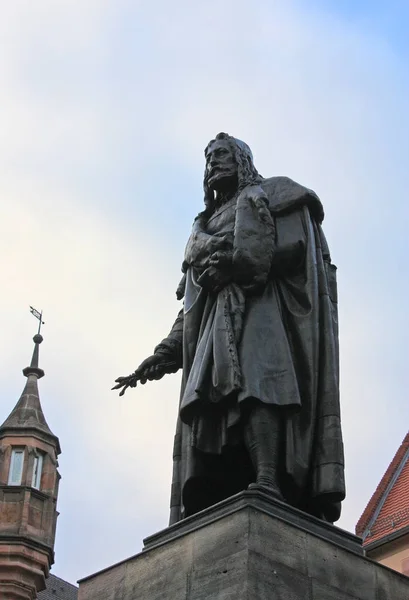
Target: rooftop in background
[
  {"x": 58, "y": 589},
  {"x": 387, "y": 512}
]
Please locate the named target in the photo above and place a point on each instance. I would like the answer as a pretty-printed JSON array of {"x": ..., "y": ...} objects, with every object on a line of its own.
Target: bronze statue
[{"x": 257, "y": 340}]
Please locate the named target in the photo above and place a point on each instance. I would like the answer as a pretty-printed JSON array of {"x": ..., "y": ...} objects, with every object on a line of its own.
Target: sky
[{"x": 107, "y": 107}]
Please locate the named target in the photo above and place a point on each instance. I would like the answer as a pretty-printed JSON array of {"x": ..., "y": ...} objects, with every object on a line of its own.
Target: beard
[{"x": 222, "y": 180}]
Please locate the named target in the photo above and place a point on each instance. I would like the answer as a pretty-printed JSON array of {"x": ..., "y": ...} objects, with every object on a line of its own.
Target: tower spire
[
  {"x": 28, "y": 413},
  {"x": 29, "y": 478}
]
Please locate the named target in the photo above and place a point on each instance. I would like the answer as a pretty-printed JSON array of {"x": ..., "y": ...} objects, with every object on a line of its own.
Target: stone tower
[{"x": 28, "y": 492}]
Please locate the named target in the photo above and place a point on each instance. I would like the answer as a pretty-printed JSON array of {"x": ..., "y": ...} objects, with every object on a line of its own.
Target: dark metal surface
[{"x": 257, "y": 339}]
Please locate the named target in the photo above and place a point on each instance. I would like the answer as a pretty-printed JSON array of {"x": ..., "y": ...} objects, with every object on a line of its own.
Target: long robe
[{"x": 269, "y": 335}]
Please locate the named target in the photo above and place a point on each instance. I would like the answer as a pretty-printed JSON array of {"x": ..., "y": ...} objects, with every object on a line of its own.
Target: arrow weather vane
[{"x": 39, "y": 316}]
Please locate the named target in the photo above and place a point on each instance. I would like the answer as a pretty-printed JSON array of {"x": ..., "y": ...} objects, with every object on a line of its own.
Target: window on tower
[
  {"x": 37, "y": 470},
  {"x": 16, "y": 466}
]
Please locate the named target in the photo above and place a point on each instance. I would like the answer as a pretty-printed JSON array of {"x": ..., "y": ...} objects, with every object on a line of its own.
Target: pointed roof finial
[
  {"x": 33, "y": 369},
  {"x": 28, "y": 415}
]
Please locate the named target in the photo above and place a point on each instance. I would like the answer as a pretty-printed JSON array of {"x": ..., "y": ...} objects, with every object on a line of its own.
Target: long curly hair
[{"x": 247, "y": 173}]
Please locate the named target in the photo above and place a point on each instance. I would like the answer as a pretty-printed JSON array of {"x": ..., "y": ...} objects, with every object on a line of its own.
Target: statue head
[{"x": 229, "y": 167}]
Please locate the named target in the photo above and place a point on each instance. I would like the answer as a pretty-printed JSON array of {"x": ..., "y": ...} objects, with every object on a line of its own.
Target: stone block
[
  {"x": 225, "y": 579},
  {"x": 320, "y": 591},
  {"x": 228, "y": 539},
  {"x": 279, "y": 541},
  {"x": 391, "y": 585},
  {"x": 338, "y": 568},
  {"x": 269, "y": 579},
  {"x": 160, "y": 573},
  {"x": 108, "y": 585},
  {"x": 249, "y": 547}
]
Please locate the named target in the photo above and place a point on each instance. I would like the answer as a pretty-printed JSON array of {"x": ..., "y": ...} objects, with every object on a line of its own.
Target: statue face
[{"x": 221, "y": 167}]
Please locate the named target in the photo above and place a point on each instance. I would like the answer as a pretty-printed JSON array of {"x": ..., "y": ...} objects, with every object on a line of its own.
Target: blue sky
[{"x": 106, "y": 109}]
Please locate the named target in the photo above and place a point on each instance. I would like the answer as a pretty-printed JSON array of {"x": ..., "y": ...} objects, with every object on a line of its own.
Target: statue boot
[{"x": 262, "y": 440}]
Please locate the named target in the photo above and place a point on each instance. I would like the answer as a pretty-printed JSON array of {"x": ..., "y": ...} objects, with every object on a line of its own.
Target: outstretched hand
[{"x": 154, "y": 367}]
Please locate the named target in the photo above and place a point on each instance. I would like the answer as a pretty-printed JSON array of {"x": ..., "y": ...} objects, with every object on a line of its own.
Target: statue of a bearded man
[{"x": 257, "y": 340}]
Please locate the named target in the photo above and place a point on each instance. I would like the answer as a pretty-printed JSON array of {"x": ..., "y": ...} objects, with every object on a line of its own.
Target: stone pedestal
[{"x": 249, "y": 547}]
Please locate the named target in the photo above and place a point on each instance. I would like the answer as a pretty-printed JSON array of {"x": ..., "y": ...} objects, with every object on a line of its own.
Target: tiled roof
[
  {"x": 58, "y": 589},
  {"x": 388, "y": 509}
]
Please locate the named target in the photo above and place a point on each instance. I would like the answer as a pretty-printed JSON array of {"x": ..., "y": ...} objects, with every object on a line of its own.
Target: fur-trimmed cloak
[{"x": 270, "y": 334}]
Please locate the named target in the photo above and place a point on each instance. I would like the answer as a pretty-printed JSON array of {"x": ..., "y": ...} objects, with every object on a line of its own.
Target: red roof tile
[{"x": 394, "y": 508}]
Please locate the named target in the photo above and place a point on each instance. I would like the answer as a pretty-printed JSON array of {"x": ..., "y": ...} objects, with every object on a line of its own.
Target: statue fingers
[
  {"x": 133, "y": 381},
  {"x": 159, "y": 372},
  {"x": 226, "y": 240},
  {"x": 147, "y": 363},
  {"x": 120, "y": 382},
  {"x": 144, "y": 376},
  {"x": 122, "y": 392},
  {"x": 215, "y": 258},
  {"x": 151, "y": 372}
]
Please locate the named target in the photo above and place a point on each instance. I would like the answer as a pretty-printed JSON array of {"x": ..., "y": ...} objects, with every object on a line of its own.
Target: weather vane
[{"x": 39, "y": 316}]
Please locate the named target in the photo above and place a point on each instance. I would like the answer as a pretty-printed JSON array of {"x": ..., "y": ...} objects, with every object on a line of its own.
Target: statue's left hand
[
  {"x": 221, "y": 260},
  {"x": 213, "y": 279}
]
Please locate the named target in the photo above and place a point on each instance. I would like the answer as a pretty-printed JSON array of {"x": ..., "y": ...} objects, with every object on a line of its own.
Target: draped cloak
[{"x": 269, "y": 335}]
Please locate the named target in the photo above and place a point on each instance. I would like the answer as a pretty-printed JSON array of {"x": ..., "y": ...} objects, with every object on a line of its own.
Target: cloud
[{"x": 106, "y": 111}]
